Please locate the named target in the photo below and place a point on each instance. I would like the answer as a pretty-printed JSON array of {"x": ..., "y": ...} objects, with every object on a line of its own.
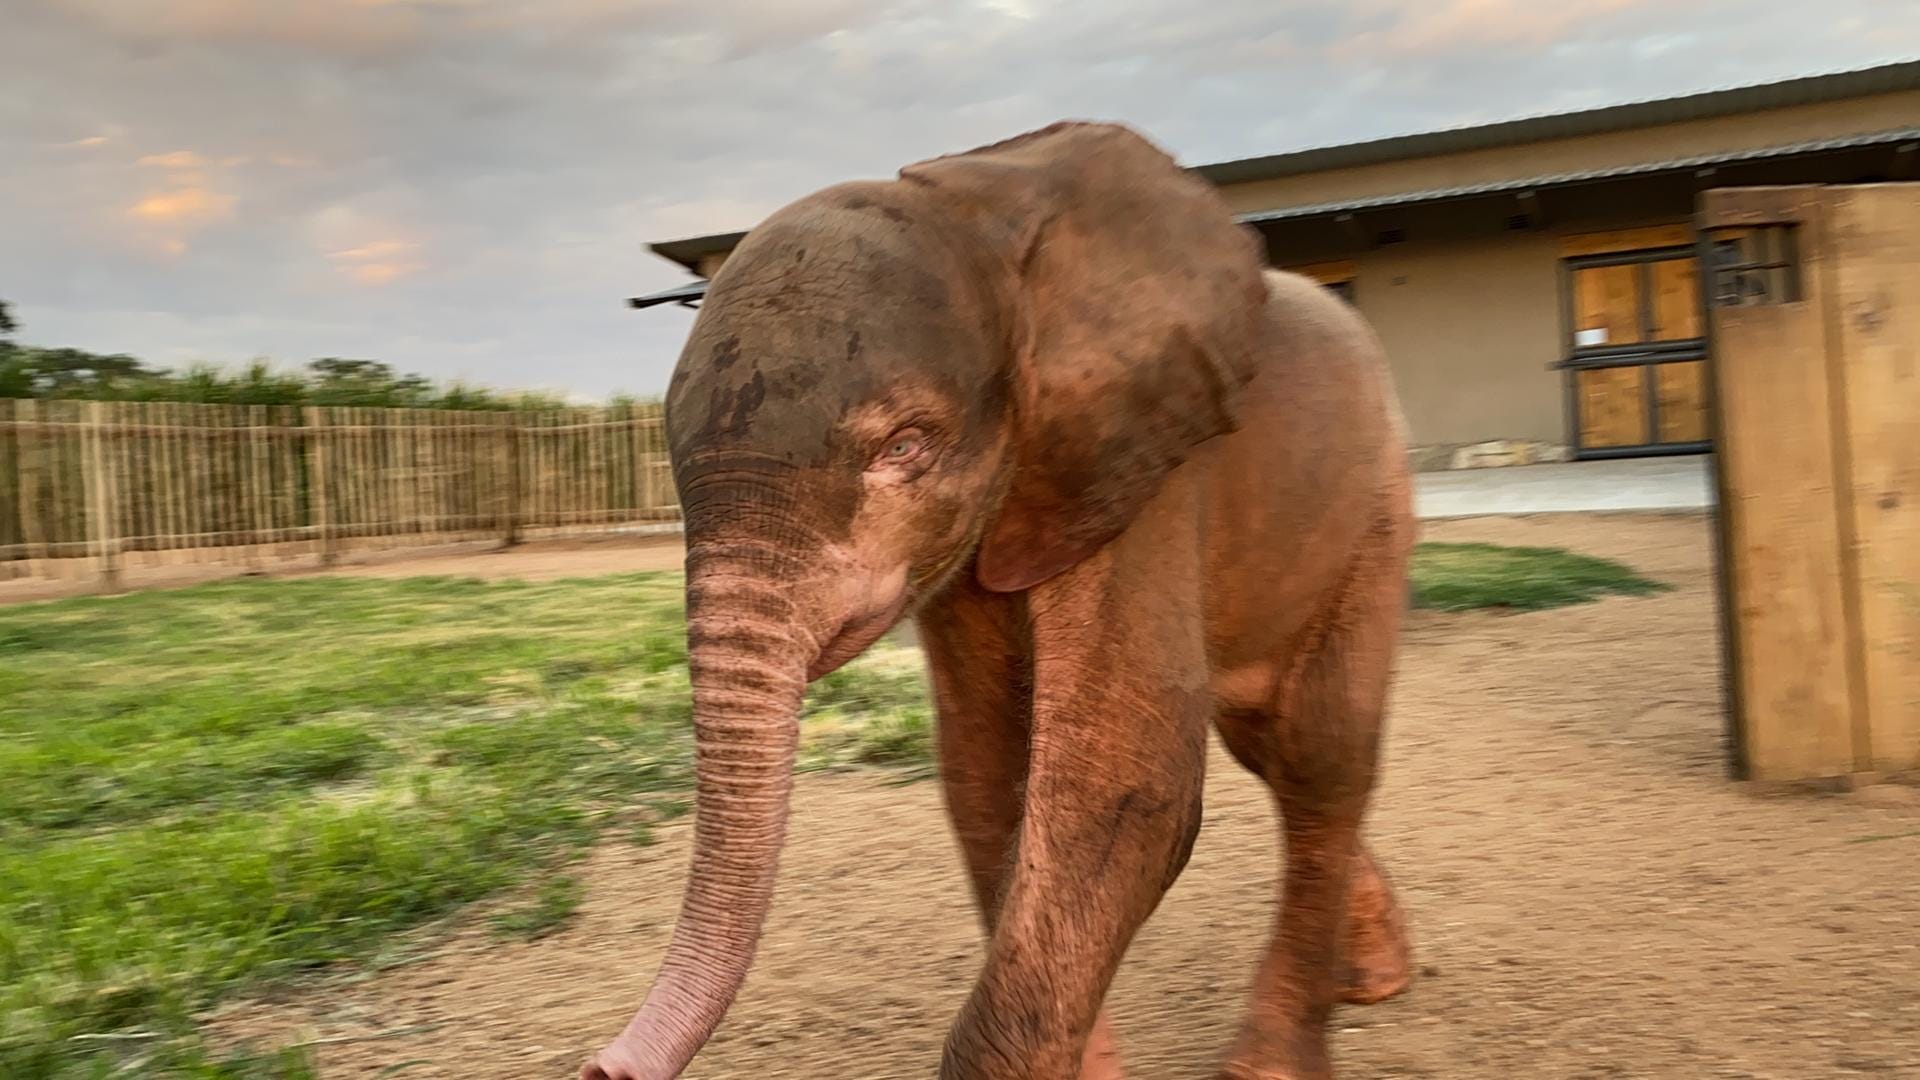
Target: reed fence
[{"x": 92, "y": 488}]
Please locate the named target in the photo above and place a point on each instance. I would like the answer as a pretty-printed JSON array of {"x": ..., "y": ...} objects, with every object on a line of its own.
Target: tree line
[{"x": 28, "y": 371}]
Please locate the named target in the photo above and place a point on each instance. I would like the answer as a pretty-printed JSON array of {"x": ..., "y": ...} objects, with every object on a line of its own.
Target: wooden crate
[{"x": 1813, "y": 294}]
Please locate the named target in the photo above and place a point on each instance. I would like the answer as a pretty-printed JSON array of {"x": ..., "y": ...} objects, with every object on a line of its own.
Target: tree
[{"x": 30, "y": 372}]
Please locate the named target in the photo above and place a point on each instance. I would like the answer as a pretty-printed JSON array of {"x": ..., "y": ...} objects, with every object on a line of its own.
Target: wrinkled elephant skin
[{"x": 1045, "y": 397}]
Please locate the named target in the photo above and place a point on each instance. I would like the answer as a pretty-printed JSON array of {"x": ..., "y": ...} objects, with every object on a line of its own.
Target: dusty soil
[
  {"x": 535, "y": 560},
  {"x": 1591, "y": 897}
]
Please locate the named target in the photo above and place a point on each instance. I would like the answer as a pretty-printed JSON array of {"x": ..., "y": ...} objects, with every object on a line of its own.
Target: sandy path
[{"x": 1591, "y": 897}]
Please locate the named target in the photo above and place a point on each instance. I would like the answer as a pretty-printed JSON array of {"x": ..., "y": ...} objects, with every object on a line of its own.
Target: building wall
[
  {"x": 1470, "y": 329},
  {"x": 1471, "y": 326},
  {"x": 1469, "y": 309},
  {"x": 1774, "y": 127}
]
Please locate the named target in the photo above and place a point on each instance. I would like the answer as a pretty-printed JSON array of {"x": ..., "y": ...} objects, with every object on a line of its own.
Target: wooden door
[{"x": 1637, "y": 349}]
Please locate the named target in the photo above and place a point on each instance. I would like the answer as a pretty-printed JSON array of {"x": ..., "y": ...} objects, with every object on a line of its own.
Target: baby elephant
[{"x": 1045, "y": 397}]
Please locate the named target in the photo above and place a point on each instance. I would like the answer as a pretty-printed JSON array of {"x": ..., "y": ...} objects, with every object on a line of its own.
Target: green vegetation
[
  {"x": 61, "y": 374},
  {"x": 208, "y": 790},
  {"x": 553, "y": 903},
  {"x": 1460, "y": 577},
  {"x": 28, "y": 371}
]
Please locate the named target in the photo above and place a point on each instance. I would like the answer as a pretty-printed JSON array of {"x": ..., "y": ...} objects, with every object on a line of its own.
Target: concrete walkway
[{"x": 1670, "y": 483}]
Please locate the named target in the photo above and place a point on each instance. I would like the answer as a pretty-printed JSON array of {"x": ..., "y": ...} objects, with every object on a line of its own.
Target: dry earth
[{"x": 1591, "y": 896}]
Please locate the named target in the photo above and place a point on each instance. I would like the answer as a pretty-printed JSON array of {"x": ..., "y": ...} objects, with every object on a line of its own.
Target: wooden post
[
  {"x": 1819, "y": 507},
  {"x": 1876, "y": 303},
  {"x": 510, "y": 478},
  {"x": 317, "y": 464},
  {"x": 133, "y": 477},
  {"x": 645, "y": 464},
  {"x": 13, "y": 540},
  {"x": 169, "y": 477},
  {"x": 98, "y": 481},
  {"x": 286, "y": 480},
  {"x": 32, "y": 444},
  {"x": 246, "y": 456}
]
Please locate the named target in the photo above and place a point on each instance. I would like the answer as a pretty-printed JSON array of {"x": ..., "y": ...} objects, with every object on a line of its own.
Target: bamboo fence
[{"x": 89, "y": 488}]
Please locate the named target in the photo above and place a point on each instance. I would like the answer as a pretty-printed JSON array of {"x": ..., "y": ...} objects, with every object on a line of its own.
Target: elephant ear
[{"x": 1138, "y": 306}]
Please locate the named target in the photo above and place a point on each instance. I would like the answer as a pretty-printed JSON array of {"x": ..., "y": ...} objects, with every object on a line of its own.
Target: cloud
[
  {"x": 177, "y": 159},
  {"x": 188, "y": 205},
  {"x": 380, "y": 262},
  {"x": 1440, "y": 26},
  {"x": 456, "y": 186},
  {"x": 349, "y": 27}
]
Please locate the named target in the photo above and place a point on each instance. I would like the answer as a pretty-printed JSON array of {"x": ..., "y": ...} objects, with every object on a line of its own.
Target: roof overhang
[
  {"x": 1901, "y": 138},
  {"x": 690, "y": 251},
  {"x": 687, "y": 295},
  {"x": 1806, "y": 90}
]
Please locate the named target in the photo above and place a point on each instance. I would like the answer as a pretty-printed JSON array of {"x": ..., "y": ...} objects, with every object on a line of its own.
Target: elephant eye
[{"x": 902, "y": 447}]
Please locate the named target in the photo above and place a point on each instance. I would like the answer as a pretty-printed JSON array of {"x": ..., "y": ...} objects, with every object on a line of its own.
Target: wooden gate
[{"x": 1814, "y": 299}]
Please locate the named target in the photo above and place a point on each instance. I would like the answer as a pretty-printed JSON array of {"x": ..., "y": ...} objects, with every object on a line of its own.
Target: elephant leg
[
  {"x": 1341, "y": 935},
  {"x": 976, "y": 645},
  {"x": 1116, "y": 761},
  {"x": 1375, "y": 947}
]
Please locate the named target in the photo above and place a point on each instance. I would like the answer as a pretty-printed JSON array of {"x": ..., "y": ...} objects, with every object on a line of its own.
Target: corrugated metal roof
[
  {"x": 1550, "y": 180},
  {"x": 1897, "y": 137},
  {"x": 688, "y": 252},
  {"x": 679, "y": 294},
  {"x": 1806, "y": 90}
]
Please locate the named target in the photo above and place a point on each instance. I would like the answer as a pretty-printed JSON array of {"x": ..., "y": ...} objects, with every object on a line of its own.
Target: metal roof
[
  {"x": 1806, "y": 90},
  {"x": 1905, "y": 138},
  {"x": 684, "y": 295},
  {"x": 1896, "y": 137},
  {"x": 688, "y": 252}
]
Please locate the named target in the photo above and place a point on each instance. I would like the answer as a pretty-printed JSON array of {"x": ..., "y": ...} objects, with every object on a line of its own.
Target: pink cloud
[{"x": 1420, "y": 28}]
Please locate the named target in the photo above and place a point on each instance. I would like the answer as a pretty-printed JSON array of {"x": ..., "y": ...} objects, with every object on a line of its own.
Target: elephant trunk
[{"x": 748, "y": 660}]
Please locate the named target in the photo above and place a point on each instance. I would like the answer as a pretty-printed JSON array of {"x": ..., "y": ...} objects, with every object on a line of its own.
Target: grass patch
[
  {"x": 1461, "y": 577},
  {"x": 875, "y": 711},
  {"x": 207, "y": 790},
  {"x": 549, "y": 909}
]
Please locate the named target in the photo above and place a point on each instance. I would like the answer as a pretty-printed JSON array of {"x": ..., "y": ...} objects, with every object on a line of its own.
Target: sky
[{"x": 466, "y": 188}]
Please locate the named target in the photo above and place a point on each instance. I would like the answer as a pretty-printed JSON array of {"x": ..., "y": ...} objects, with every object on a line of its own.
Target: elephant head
[{"x": 986, "y": 366}]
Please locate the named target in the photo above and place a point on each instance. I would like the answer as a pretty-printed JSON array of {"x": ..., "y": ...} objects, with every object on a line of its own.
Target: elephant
[{"x": 1048, "y": 399}]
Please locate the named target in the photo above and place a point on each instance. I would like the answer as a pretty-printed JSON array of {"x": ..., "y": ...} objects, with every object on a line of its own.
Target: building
[{"x": 1537, "y": 281}]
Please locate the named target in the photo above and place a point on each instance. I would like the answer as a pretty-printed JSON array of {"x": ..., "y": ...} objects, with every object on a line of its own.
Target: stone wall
[{"x": 1486, "y": 455}]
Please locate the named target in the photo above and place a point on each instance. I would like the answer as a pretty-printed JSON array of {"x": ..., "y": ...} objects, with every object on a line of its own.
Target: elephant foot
[
  {"x": 1297, "y": 1055},
  {"x": 1102, "y": 1058},
  {"x": 1377, "y": 948}
]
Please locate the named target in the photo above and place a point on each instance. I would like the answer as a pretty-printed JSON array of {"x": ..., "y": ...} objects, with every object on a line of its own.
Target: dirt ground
[
  {"x": 1591, "y": 897},
  {"x": 535, "y": 560}
]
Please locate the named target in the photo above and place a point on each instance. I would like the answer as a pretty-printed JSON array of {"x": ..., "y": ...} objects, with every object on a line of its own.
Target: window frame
[{"x": 1645, "y": 353}]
